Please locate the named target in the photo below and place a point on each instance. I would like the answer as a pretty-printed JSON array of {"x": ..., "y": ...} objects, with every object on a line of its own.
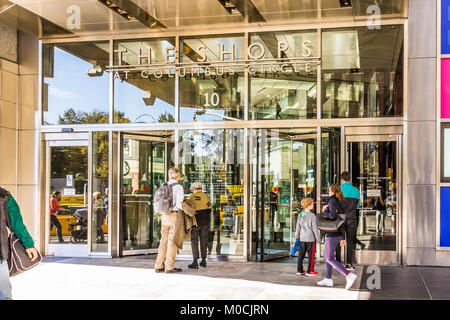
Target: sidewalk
[{"x": 134, "y": 278}]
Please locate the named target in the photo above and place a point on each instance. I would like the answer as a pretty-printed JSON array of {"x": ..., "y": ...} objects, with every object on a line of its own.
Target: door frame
[
  {"x": 141, "y": 137},
  {"x": 380, "y": 134},
  {"x": 260, "y": 188},
  {"x": 65, "y": 140}
]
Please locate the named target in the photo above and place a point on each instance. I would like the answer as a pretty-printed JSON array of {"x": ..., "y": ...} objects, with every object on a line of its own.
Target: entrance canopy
[{"x": 73, "y": 18}]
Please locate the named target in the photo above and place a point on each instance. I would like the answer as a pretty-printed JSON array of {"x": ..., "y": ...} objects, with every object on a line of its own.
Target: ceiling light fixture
[
  {"x": 345, "y": 3},
  {"x": 130, "y": 11},
  {"x": 229, "y": 6}
]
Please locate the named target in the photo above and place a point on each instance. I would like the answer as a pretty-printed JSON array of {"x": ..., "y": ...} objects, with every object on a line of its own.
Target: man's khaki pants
[{"x": 167, "y": 249}]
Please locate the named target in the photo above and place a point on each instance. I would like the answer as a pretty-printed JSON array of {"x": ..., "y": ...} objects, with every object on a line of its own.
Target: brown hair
[
  {"x": 307, "y": 202},
  {"x": 345, "y": 176},
  {"x": 336, "y": 189},
  {"x": 54, "y": 194}
]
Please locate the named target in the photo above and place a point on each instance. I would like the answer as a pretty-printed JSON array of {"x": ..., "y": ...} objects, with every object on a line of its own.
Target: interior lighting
[
  {"x": 228, "y": 5},
  {"x": 117, "y": 9},
  {"x": 345, "y": 3}
]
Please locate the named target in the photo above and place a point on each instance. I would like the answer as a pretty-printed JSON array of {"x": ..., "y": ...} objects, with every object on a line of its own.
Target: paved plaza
[{"x": 134, "y": 278}]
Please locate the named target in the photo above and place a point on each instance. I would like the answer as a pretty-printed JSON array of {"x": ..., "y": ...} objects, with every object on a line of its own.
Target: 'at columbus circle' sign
[{"x": 226, "y": 65}]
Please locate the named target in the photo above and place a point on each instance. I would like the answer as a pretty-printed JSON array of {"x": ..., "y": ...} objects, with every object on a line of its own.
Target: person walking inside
[
  {"x": 308, "y": 234},
  {"x": 55, "y": 208},
  {"x": 9, "y": 206},
  {"x": 335, "y": 238},
  {"x": 170, "y": 223},
  {"x": 203, "y": 216},
  {"x": 278, "y": 111},
  {"x": 351, "y": 204},
  {"x": 99, "y": 213}
]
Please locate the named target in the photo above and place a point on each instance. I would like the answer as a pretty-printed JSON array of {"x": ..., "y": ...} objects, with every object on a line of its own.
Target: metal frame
[
  {"x": 70, "y": 140},
  {"x": 219, "y": 29},
  {"x": 140, "y": 137},
  {"x": 115, "y": 130},
  {"x": 444, "y": 180},
  {"x": 376, "y": 256},
  {"x": 441, "y": 124}
]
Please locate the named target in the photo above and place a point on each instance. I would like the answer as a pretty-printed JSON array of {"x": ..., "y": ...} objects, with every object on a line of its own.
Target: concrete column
[
  {"x": 18, "y": 122},
  {"x": 420, "y": 145}
]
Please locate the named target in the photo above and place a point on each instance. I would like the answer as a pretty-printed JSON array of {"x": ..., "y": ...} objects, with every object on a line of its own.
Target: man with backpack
[{"x": 168, "y": 202}]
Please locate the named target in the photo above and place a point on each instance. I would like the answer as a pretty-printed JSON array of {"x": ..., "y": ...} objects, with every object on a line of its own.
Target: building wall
[
  {"x": 18, "y": 122},
  {"x": 421, "y": 140}
]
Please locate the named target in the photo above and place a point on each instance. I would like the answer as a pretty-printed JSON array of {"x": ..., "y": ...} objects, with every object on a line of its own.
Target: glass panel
[
  {"x": 75, "y": 84},
  {"x": 373, "y": 172},
  {"x": 215, "y": 158},
  {"x": 100, "y": 200},
  {"x": 303, "y": 173},
  {"x": 212, "y": 91},
  {"x": 143, "y": 173},
  {"x": 331, "y": 160},
  {"x": 445, "y": 217},
  {"x": 69, "y": 176},
  {"x": 284, "y": 172},
  {"x": 362, "y": 72},
  {"x": 145, "y": 93},
  {"x": 446, "y": 153},
  {"x": 283, "y": 90}
]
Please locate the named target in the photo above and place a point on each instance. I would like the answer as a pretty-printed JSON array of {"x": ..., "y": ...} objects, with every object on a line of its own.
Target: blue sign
[
  {"x": 445, "y": 217},
  {"x": 445, "y": 26}
]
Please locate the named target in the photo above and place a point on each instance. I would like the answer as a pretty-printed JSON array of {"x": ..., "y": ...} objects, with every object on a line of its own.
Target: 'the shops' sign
[{"x": 226, "y": 65}]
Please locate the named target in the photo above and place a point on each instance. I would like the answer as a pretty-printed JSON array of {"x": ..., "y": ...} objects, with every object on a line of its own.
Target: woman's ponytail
[{"x": 336, "y": 189}]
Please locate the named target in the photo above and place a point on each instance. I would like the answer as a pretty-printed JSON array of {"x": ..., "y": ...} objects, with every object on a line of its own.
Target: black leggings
[{"x": 55, "y": 222}]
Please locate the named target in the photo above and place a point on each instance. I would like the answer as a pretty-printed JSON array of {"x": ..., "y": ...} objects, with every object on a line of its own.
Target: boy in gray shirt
[{"x": 308, "y": 234}]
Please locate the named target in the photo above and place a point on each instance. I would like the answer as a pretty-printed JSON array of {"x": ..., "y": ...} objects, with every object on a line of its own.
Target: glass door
[
  {"x": 373, "y": 163},
  {"x": 284, "y": 172},
  {"x": 215, "y": 158},
  {"x": 144, "y": 169},
  {"x": 67, "y": 198}
]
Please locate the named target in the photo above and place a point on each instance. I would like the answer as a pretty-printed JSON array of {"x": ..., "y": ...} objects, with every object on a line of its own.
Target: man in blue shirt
[{"x": 351, "y": 203}]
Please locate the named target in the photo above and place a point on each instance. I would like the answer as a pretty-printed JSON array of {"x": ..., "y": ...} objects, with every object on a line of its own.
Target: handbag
[
  {"x": 328, "y": 225},
  {"x": 18, "y": 260}
]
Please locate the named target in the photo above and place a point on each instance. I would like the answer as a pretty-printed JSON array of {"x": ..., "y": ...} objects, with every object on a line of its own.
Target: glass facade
[
  {"x": 287, "y": 89},
  {"x": 211, "y": 91},
  {"x": 361, "y": 75},
  {"x": 196, "y": 87},
  {"x": 362, "y": 72},
  {"x": 75, "y": 84},
  {"x": 143, "y": 95}
]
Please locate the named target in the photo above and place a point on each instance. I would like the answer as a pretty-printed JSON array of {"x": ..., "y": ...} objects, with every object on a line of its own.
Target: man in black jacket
[{"x": 351, "y": 204}]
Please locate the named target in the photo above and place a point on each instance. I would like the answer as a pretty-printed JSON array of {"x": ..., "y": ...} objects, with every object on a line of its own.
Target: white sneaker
[
  {"x": 350, "y": 280},
  {"x": 325, "y": 283}
]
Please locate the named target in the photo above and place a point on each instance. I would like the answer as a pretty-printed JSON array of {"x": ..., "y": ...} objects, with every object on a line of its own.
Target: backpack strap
[{"x": 4, "y": 195}]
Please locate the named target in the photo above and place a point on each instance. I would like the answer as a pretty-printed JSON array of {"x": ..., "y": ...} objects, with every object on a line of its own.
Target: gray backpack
[{"x": 163, "y": 201}]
